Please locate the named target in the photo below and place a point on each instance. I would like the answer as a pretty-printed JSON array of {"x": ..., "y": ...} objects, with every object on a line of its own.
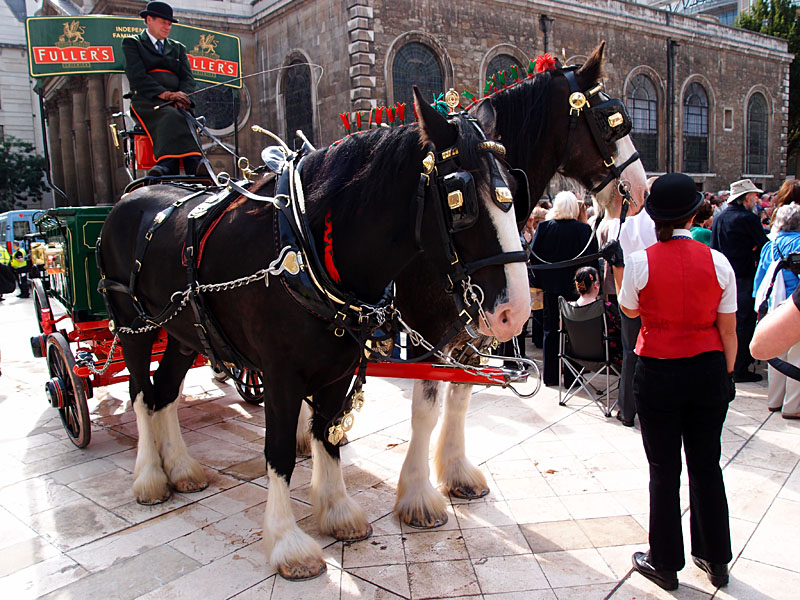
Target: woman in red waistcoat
[{"x": 685, "y": 293}]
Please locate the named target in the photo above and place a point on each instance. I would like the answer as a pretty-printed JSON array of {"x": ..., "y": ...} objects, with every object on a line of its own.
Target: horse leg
[
  {"x": 150, "y": 483},
  {"x": 304, "y": 430},
  {"x": 185, "y": 474},
  {"x": 418, "y": 503},
  {"x": 337, "y": 513},
  {"x": 454, "y": 471},
  {"x": 291, "y": 551}
]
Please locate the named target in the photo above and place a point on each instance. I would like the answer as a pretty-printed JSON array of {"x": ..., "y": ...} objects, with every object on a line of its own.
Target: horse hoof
[
  {"x": 467, "y": 492},
  {"x": 301, "y": 572},
  {"x": 153, "y": 501},
  {"x": 351, "y": 535},
  {"x": 424, "y": 521},
  {"x": 188, "y": 486}
]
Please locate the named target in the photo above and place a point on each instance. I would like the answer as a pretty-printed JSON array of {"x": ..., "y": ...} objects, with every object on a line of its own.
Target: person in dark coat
[
  {"x": 562, "y": 237},
  {"x": 738, "y": 234},
  {"x": 160, "y": 75}
]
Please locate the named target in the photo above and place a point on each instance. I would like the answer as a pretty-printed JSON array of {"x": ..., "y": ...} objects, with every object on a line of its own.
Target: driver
[{"x": 159, "y": 73}]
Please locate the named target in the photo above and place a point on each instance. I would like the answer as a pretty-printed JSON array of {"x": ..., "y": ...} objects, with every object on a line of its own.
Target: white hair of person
[
  {"x": 565, "y": 206},
  {"x": 787, "y": 218}
]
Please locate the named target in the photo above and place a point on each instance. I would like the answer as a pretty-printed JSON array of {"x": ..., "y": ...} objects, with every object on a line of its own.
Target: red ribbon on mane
[{"x": 326, "y": 237}]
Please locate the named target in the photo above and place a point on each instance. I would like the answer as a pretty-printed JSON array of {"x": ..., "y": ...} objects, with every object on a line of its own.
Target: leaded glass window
[
  {"x": 757, "y": 135},
  {"x": 297, "y": 102},
  {"x": 503, "y": 62},
  {"x": 643, "y": 108},
  {"x": 416, "y": 64},
  {"x": 695, "y": 129},
  {"x": 217, "y": 104}
]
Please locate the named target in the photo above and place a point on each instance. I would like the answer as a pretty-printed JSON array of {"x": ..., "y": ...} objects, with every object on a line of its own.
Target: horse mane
[
  {"x": 522, "y": 115},
  {"x": 371, "y": 164},
  {"x": 523, "y": 110}
]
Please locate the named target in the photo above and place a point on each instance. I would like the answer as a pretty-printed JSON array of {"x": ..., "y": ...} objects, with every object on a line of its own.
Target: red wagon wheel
[
  {"x": 252, "y": 387},
  {"x": 66, "y": 391}
]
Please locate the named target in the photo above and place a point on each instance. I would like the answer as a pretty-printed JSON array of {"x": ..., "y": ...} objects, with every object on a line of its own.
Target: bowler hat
[
  {"x": 158, "y": 9},
  {"x": 743, "y": 186},
  {"x": 673, "y": 197}
]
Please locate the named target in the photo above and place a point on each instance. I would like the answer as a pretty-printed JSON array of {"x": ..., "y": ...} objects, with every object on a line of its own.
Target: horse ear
[
  {"x": 486, "y": 116},
  {"x": 433, "y": 125},
  {"x": 592, "y": 69}
]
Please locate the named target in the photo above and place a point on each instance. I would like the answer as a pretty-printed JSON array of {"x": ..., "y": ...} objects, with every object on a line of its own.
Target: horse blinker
[{"x": 462, "y": 200}]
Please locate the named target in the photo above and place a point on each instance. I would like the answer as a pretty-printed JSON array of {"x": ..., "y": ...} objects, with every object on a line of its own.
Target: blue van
[{"x": 15, "y": 225}]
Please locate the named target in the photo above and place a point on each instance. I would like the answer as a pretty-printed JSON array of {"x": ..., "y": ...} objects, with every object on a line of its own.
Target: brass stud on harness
[
  {"x": 455, "y": 199},
  {"x": 503, "y": 195},
  {"x": 616, "y": 120},
  {"x": 577, "y": 101},
  {"x": 428, "y": 163}
]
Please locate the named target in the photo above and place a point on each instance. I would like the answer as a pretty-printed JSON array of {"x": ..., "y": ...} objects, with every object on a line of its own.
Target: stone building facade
[{"x": 706, "y": 99}]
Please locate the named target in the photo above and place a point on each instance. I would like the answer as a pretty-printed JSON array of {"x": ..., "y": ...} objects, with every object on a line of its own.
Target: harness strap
[
  {"x": 497, "y": 259},
  {"x": 193, "y": 125}
]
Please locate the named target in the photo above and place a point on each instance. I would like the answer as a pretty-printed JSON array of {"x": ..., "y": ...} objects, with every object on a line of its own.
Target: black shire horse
[
  {"x": 363, "y": 208},
  {"x": 533, "y": 120}
]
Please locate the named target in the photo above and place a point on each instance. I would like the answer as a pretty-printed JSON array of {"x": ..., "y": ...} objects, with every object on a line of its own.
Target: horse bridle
[
  {"x": 455, "y": 203},
  {"x": 608, "y": 122}
]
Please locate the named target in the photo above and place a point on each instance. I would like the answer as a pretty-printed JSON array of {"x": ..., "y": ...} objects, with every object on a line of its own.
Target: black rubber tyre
[
  {"x": 40, "y": 301},
  {"x": 75, "y": 413},
  {"x": 252, "y": 391}
]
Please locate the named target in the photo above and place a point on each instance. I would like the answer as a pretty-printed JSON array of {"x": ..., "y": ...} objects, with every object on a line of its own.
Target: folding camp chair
[{"x": 584, "y": 353}]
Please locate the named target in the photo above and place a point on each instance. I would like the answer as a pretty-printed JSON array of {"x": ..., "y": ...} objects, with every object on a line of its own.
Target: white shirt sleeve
[
  {"x": 634, "y": 279},
  {"x": 727, "y": 281}
]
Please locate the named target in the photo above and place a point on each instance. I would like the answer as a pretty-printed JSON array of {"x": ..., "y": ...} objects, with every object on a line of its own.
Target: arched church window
[
  {"x": 695, "y": 129},
  {"x": 757, "y": 130},
  {"x": 297, "y": 105},
  {"x": 643, "y": 108},
  {"x": 502, "y": 62},
  {"x": 416, "y": 64}
]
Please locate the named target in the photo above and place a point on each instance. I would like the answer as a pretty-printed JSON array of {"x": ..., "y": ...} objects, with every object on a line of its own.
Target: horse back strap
[{"x": 206, "y": 327}]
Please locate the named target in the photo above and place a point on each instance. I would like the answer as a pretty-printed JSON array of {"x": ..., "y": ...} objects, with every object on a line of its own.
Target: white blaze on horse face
[
  {"x": 513, "y": 307},
  {"x": 633, "y": 176}
]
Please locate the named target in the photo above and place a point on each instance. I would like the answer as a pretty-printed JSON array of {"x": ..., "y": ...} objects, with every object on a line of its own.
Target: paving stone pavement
[{"x": 568, "y": 502}]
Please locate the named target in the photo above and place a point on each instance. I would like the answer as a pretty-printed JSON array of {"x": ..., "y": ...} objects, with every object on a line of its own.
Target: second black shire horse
[
  {"x": 544, "y": 134},
  {"x": 362, "y": 201}
]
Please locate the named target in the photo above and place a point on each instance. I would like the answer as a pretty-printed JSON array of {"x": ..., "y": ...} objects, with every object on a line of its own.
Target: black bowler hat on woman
[
  {"x": 673, "y": 198},
  {"x": 158, "y": 9}
]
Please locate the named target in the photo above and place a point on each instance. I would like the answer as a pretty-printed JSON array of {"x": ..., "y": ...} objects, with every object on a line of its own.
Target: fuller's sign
[{"x": 93, "y": 44}]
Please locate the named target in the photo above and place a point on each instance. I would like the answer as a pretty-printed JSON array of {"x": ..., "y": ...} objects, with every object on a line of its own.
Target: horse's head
[
  {"x": 601, "y": 140},
  {"x": 471, "y": 229},
  {"x": 562, "y": 121}
]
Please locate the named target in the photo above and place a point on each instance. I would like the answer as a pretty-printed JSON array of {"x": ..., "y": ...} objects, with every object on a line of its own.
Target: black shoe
[
  {"x": 747, "y": 377},
  {"x": 158, "y": 171},
  {"x": 717, "y": 573},
  {"x": 624, "y": 421},
  {"x": 666, "y": 580},
  {"x": 23, "y": 296}
]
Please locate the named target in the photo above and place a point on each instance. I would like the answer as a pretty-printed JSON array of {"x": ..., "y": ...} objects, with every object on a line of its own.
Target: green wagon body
[{"x": 73, "y": 232}]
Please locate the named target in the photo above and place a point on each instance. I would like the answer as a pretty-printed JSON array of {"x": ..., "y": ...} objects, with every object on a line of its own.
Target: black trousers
[
  {"x": 745, "y": 323},
  {"x": 630, "y": 331},
  {"x": 21, "y": 275},
  {"x": 550, "y": 339},
  {"x": 684, "y": 400}
]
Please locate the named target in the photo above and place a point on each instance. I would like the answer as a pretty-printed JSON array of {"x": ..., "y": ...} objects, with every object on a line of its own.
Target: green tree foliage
[
  {"x": 21, "y": 172},
  {"x": 779, "y": 18}
]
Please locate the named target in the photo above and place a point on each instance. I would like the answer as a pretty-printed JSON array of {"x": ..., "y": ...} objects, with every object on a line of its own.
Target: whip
[{"x": 242, "y": 77}]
